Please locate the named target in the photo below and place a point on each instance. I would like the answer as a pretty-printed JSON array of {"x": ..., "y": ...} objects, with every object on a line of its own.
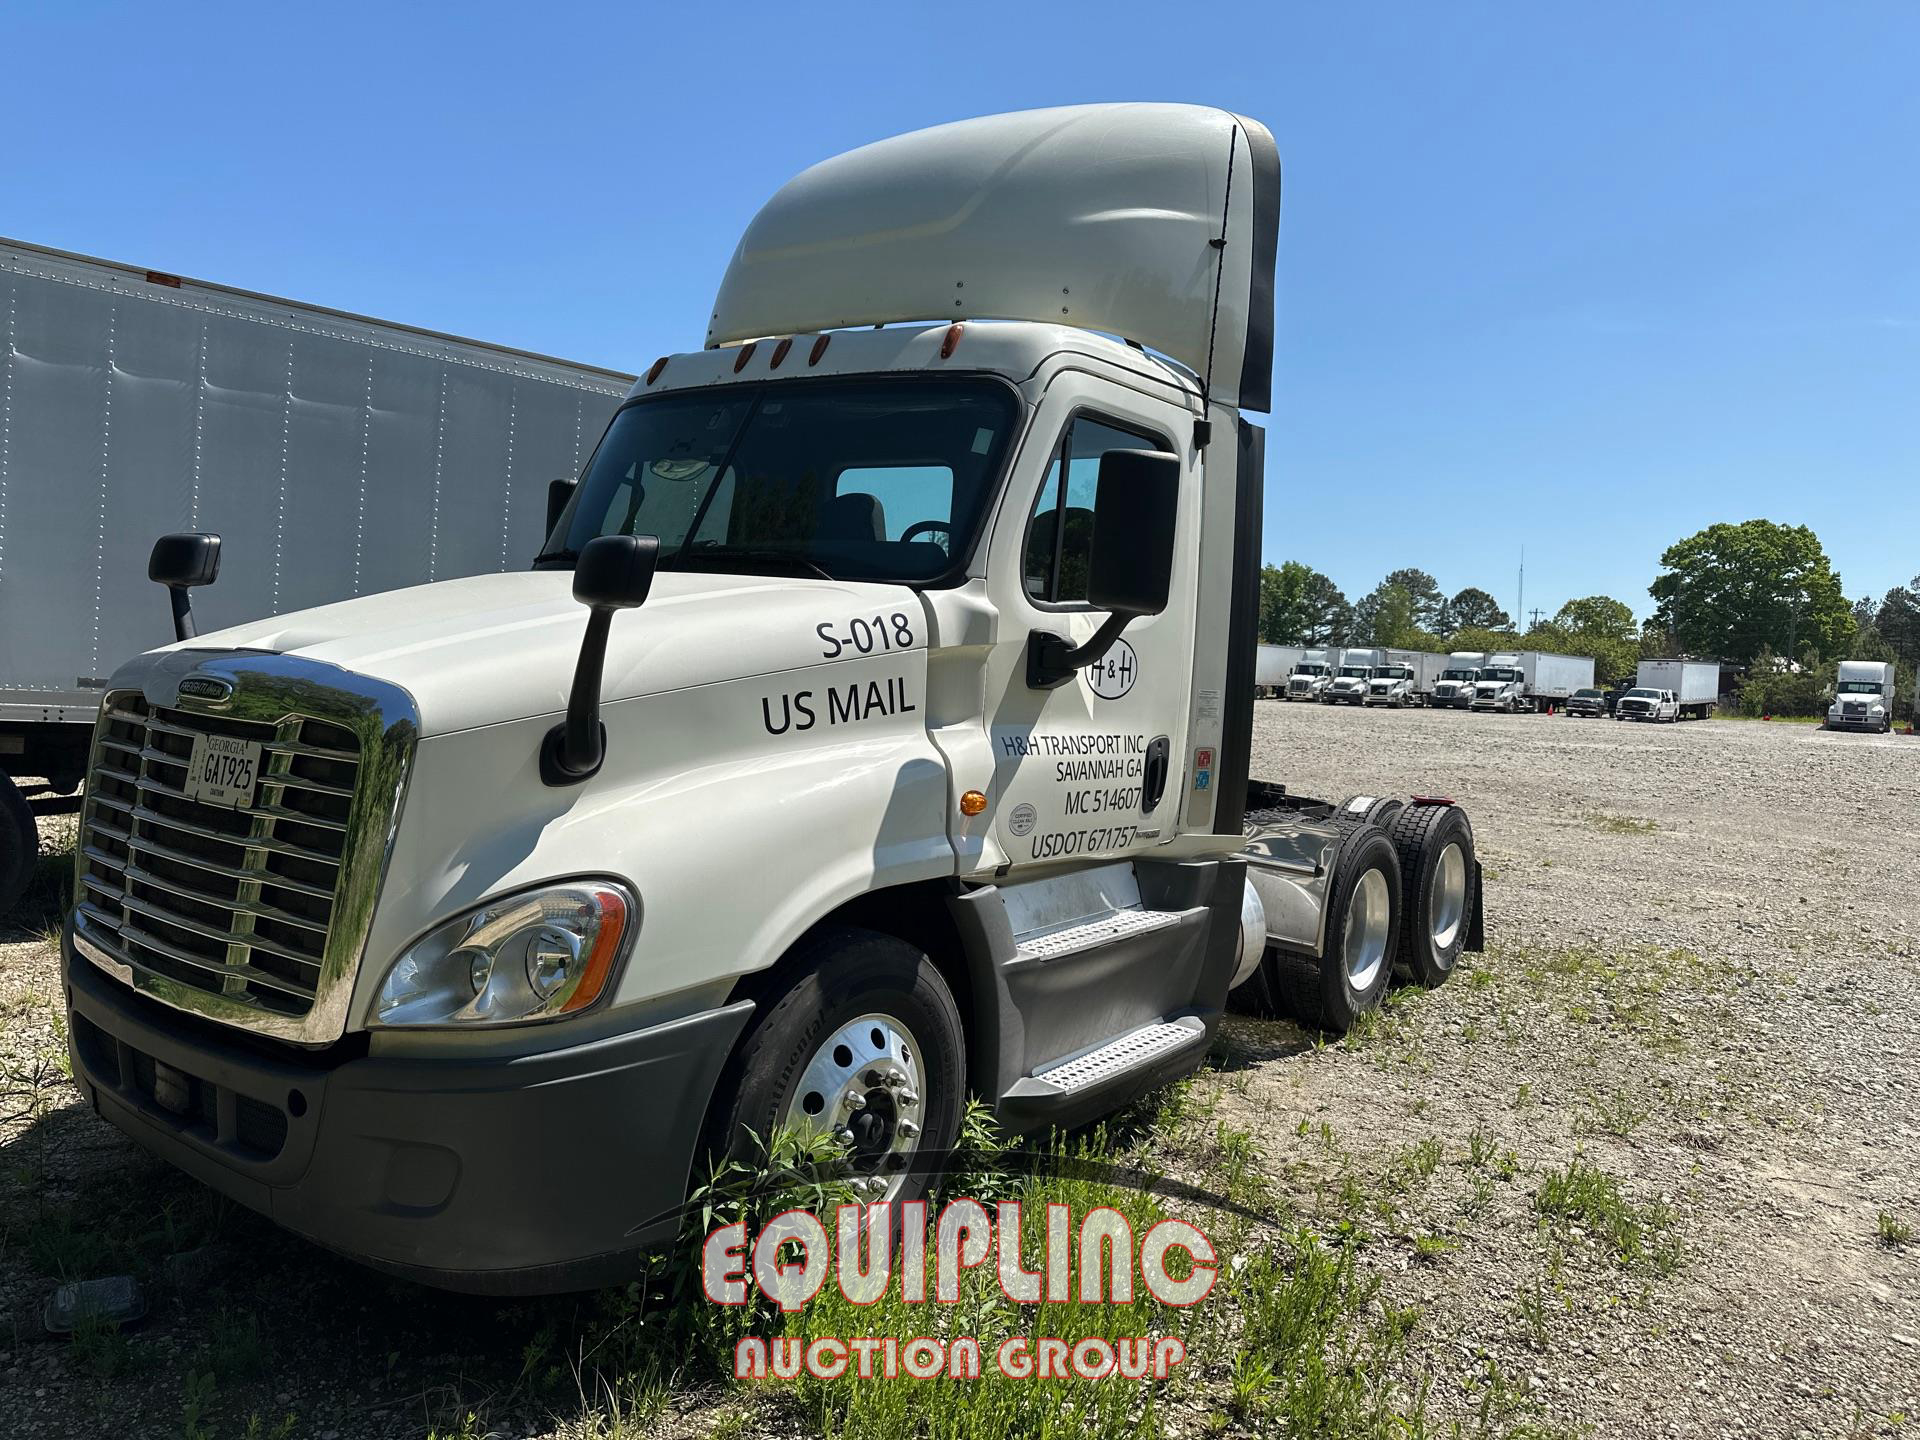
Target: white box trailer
[
  {"x": 1272, "y": 664},
  {"x": 337, "y": 455},
  {"x": 1530, "y": 680},
  {"x": 1695, "y": 684}
]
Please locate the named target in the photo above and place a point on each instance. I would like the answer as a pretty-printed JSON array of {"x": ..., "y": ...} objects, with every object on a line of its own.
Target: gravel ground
[
  {"x": 1703, "y": 980},
  {"x": 1700, "y": 993}
]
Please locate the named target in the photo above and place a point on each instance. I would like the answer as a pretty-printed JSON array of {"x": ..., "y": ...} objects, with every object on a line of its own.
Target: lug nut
[
  {"x": 908, "y": 1098},
  {"x": 907, "y": 1129},
  {"x": 896, "y": 1077},
  {"x": 854, "y": 1100},
  {"x": 845, "y": 1136}
]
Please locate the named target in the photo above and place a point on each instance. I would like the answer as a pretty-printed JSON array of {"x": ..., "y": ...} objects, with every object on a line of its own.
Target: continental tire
[
  {"x": 866, "y": 1015},
  {"x": 1435, "y": 844},
  {"x": 1362, "y": 929}
]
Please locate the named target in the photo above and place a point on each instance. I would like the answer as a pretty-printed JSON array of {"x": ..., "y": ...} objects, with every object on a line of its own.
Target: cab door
[{"x": 1090, "y": 770}]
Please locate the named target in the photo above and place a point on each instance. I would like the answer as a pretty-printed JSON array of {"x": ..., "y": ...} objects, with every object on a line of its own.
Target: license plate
[{"x": 222, "y": 771}]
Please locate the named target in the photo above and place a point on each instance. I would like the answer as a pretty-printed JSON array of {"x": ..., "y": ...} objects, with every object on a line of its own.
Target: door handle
[{"x": 1153, "y": 780}]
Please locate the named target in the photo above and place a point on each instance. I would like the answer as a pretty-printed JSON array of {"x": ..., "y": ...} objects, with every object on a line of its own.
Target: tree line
[{"x": 1760, "y": 596}]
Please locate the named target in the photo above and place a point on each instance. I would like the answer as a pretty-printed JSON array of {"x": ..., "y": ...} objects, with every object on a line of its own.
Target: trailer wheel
[
  {"x": 1435, "y": 843},
  {"x": 865, "y": 1042},
  {"x": 1363, "y": 917},
  {"x": 19, "y": 844}
]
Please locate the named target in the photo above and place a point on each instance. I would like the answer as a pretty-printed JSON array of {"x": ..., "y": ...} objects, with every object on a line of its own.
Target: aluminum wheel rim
[
  {"x": 863, "y": 1085},
  {"x": 1449, "y": 905},
  {"x": 1367, "y": 920}
]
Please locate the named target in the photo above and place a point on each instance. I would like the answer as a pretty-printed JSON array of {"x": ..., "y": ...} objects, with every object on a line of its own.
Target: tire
[
  {"x": 1435, "y": 843},
  {"x": 1363, "y": 913},
  {"x": 19, "y": 844},
  {"x": 840, "y": 976},
  {"x": 1379, "y": 810}
]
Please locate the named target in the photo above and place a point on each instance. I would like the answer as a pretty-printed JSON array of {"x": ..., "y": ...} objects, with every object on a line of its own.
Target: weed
[
  {"x": 1619, "y": 824},
  {"x": 1638, "y": 1236},
  {"x": 1893, "y": 1231},
  {"x": 101, "y": 1349},
  {"x": 1430, "y": 1248},
  {"x": 1616, "y": 1114}
]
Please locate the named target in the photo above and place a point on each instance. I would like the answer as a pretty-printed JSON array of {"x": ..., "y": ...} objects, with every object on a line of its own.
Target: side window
[{"x": 1060, "y": 530}]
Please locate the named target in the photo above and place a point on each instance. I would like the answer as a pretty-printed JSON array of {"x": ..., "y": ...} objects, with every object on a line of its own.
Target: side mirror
[
  {"x": 180, "y": 562},
  {"x": 559, "y": 492},
  {"x": 614, "y": 572},
  {"x": 1129, "y": 561}
]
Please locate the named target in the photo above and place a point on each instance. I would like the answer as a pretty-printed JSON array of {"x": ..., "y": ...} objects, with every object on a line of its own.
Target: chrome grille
[{"x": 234, "y": 902}]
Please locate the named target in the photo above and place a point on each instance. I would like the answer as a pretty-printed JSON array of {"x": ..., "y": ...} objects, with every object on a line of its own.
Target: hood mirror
[
  {"x": 614, "y": 572},
  {"x": 180, "y": 562}
]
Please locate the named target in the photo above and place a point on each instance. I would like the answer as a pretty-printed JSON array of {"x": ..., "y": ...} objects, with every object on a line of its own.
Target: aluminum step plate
[
  {"x": 1116, "y": 1057},
  {"x": 1089, "y": 933}
]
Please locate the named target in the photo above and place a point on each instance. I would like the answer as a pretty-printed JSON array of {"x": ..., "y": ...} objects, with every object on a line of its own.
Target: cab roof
[{"x": 1156, "y": 223}]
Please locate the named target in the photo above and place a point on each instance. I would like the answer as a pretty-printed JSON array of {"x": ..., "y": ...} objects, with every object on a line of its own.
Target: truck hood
[{"x": 502, "y": 647}]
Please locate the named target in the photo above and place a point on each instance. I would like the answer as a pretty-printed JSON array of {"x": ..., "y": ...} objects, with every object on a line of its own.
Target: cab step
[
  {"x": 1133, "y": 1061},
  {"x": 1099, "y": 930}
]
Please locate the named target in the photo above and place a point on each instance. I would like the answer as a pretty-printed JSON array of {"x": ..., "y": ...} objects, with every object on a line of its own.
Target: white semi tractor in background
[
  {"x": 1453, "y": 689},
  {"x": 1530, "y": 680},
  {"x": 1862, "y": 696},
  {"x": 872, "y": 730},
  {"x": 1311, "y": 674},
  {"x": 1352, "y": 675},
  {"x": 337, "y": 455},
  {"x": 1694, "y": 684}
]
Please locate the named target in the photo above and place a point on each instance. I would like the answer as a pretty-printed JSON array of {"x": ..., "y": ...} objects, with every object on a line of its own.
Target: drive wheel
[
  {"x": 1435, "y": 843},
  {"x": 865, "y": 1043},
  {"x": 1363, "y": 915},
  {"x": 19, "y": 844}
]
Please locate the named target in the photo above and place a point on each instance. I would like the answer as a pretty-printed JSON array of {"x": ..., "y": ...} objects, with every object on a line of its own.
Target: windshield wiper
[{"x": 685, "y": 559}]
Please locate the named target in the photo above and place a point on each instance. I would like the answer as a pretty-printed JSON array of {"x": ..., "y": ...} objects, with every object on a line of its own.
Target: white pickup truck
[
  {"x": 1646, "y": 703},
  {"x": 872, "y": 730}
]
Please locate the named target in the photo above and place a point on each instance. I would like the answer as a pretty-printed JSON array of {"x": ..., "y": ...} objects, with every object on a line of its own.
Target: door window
[{"x": 1060, "y": 528}]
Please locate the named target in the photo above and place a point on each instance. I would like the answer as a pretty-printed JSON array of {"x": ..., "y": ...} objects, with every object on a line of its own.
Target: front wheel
[{"x": 864, "y": 1043}]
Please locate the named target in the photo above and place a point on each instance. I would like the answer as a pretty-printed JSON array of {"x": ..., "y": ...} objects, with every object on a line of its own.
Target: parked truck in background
[
  {"x": 454, "y": 927},
  {"x": 1862, "y": 696},
  {"x": 1647, "y": 702},
  {"x": 1351, "y": 676},
  {"x": 1311, "y": 675},
  {"x": 338, "y": 455},
  {"x": 1454, "y": 689},
  {"x": 1271, "y": 667},
  {"x": 1695, "y": 684},
  {"x": 1530, "y": 680},
  {"x": 1392, "y": 684}
]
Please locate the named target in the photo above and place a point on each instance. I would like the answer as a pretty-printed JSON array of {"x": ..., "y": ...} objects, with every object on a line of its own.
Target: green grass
[
  {"x": 1892, "y": 1230},
  {"x": 1619, "y": 824},
  {"x": 1636, "y": 1237}
]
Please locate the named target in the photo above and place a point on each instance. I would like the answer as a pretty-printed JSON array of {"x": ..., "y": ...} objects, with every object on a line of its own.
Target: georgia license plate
[{"x": 222, "y": 771}]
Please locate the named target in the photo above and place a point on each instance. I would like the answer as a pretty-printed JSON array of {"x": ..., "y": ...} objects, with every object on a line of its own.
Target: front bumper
[
  {"x": 524, "y": 1174},
  {"x": 1575, "y": 708},
  {"x": 1858, "y": 722}
]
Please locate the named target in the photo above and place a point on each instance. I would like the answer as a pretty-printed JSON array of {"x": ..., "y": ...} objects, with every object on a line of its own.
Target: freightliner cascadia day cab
[
  {"x": 873, "y": 731},
  {"x": 339, "y": 455}
]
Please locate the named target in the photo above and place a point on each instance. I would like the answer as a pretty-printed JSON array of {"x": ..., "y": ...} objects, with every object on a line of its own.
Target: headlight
[
  {"x": 1879, "y": 710},
  {"x": 537, "y": 955}
]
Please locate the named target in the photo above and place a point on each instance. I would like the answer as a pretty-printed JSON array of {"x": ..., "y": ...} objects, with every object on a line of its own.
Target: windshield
[
  {"x": 1643, "y": 694},
  {"x": 1859, "y": 687},
  {"x": 859, "y": 479},
  {"x": 1500, "y": 676},
  {"x": 1355, "y": 672},
  {"x": 1458, "y": 674},
  {"x": 1394, "y": 672},
  {"x": 1587, "y": 694},
  {"x": 1309, "y": 669}
]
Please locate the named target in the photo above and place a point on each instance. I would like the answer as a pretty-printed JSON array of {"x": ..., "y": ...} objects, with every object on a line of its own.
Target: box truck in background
[
  {"x": 1530, "y": 680},
  {"x": 337, "y": 455},
  {"x": 1695, "y": 684},
  {"x": 1272, "y": 665}
]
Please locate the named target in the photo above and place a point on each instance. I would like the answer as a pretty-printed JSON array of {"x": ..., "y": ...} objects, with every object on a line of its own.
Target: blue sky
[{"x": 1583, "y": 277}]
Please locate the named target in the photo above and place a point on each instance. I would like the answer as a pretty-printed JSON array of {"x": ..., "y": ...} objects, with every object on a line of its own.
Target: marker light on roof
[
  {"x": 819, "y": 349},
  {"x": 740, "y": 360},
  {"x": 653, "y": 370},
  {"x": 952, "y": 342},
  {"x": 780, "y": 353}
]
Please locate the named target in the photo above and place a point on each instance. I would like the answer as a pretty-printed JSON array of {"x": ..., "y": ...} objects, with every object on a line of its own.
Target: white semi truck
[
  {"x": 338, "y": 455},
  {"x": 1394, "y": 684},
  {"x": 1351, "y": 676},
  {"x": 1530, "y": 680},
  {"x": 1311, "y": 675},
  {"x": 1694, "y": 684},
  {"x": 873, "y": 730},
  {"x": 1863, "y": 696},
  {"x": 1453, "y": 690}
]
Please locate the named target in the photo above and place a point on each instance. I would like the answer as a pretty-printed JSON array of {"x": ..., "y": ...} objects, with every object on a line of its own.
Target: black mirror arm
[
  {"x": 575, "y": 748},
  {"x": 182, "y": 613},
  {"x": 1051, "y": 661}
]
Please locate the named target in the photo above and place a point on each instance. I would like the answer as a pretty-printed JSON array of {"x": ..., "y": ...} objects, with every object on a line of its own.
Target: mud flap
[{"x": 1477, "y": 926}]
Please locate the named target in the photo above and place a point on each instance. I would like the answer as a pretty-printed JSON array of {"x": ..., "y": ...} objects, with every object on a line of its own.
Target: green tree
[
  {"x": 1734, "y": 590},
  {"x": 1898, "y": 621},
  {"x": 1473, "y": 609},
  {"x": 1604, "y": 628},
  {"x": 1300, "y": 606},
  {"x": 1423, "y": 593},
  {"x": 1475, "y": 637}
]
